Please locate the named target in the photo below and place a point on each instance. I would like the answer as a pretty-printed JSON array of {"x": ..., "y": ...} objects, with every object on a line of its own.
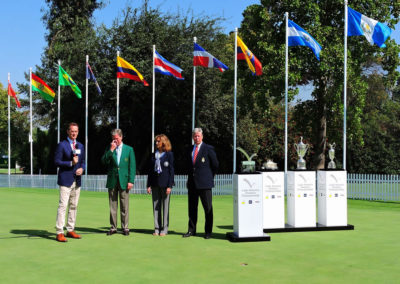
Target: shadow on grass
[
  {"x": 86, "y": 230},
  {"x": 33, "y": 234},
  {"x": 102, "y": 230},
  {"x": 218, "y": 236},
  {"x": 226, "y": 227}
]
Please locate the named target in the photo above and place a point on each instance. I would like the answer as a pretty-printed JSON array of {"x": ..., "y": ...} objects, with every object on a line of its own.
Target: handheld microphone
[{"x": 75, "y": 151}]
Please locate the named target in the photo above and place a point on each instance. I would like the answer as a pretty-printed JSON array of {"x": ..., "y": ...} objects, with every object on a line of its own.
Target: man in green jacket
[{"x": 121, "y": 169}]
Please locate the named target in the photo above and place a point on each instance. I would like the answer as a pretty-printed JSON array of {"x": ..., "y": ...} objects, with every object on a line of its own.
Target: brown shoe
[
  {"x": 61, "y": 238},
  {"x": 73, "y": 235}
]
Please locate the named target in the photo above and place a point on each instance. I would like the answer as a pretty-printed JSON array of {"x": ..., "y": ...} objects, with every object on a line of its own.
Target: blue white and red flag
[
  {"x": 205, "y": 59},
  {"x": 163, "y": 66}
]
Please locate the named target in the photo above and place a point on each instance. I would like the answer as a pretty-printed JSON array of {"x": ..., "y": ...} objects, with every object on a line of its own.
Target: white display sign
[
  {"x": 273, "y": 200},
  {"x": 247, "y": 205},
  {"x": 332, "y": 198},
  {"x": 301, "y": 201}
]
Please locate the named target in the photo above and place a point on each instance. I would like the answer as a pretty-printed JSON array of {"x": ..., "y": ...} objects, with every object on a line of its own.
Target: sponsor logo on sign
[{"x": 248, "y": 183}]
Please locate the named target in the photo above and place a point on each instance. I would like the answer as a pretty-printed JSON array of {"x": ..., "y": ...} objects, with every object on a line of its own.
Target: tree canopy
[{"x": 373, "y": 104}]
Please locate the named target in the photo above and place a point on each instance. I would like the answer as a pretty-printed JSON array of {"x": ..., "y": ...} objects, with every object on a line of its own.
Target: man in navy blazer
[
  {"x": 203, "y": 165},
  {"x": 70, "y": 160}
]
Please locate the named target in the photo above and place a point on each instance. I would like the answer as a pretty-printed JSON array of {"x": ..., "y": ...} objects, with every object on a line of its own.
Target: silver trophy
[
  {"x": 331, "y": 154},
  {"x": 301, "y": 150},
  {"x": 269, "y": 165}
]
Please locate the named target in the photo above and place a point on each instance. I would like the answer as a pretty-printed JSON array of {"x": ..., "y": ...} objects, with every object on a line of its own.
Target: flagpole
[
  {"x": 9, "y": 131},
  {"x": 286, "y": 90},
  {"x": 194, "y": 93},
  {"x": 234, "y": 104},
  {"x": 86, "y": 116},
  {"x": 59, "y": 101},
  {"x": 31, "y": 118},
  {"x": 153, "y": 106},
  {"x": 345, "y": 85},
  {"x": 117, "y": 96}
]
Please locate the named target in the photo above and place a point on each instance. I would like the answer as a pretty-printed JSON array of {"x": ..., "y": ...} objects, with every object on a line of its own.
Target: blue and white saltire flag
[
  {"x": 90, "y": 76},
  {"x": 298, "y": 36},
  {"x": 163, "y": 66},
  {"x": 374, "y": 31}
]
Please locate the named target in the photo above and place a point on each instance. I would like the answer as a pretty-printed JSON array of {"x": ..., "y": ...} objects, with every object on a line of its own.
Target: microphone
[
  {"x": 75, "y": 151},
  {"x": 74, "y": 148}
]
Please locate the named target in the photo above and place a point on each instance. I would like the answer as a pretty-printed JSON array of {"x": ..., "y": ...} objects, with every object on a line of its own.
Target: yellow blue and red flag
[
  {"x": 243, "y": 53},
  {"x": 126, "y": 70}
]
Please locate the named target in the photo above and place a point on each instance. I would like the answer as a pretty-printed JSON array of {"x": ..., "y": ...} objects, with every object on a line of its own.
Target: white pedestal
[
  {"x": 332, "y": 198},
  {"x": 301, "y": 201},
  {"x": 247, "y": 205},
  {"x": 273, "y": 200}
]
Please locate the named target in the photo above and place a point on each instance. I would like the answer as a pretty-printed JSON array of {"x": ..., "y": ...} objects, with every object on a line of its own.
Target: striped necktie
[{"x": 196, "y": 151}]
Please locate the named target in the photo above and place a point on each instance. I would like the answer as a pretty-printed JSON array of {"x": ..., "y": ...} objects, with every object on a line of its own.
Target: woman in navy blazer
[{"x": 159, "y": 183}]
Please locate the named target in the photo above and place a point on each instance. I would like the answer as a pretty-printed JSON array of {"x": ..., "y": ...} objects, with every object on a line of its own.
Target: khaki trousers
[
  {"x": 124, "y": 206},
  {"x": 69, "y": 196}
]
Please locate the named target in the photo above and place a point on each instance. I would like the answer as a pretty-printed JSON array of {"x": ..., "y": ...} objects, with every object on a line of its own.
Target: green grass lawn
[
  {"x": 30, "y": 254},
  {"x": 12, "y": 171}
]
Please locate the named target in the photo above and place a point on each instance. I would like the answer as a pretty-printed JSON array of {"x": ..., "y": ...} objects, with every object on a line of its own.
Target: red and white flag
[
  {"x": 202, "y": 58},
  {"x": 163, "y": 66}
]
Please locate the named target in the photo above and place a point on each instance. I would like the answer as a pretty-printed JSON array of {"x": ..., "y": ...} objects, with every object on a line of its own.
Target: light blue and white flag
[
  {"x": 374, "y": 31},
  {"x": 298, "y": 36}
]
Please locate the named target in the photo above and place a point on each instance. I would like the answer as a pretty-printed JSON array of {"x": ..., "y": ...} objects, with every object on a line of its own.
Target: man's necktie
[
  {"x": 118, "y": 153},
  {"x": 196, "y": 151}
]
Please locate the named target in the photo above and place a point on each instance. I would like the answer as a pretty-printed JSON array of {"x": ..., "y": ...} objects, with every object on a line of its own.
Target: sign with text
[{"x": 247, "y": 205}]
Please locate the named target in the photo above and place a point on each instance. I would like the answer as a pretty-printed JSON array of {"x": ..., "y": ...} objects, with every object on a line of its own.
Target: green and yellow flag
[{"x": 65, "y": 80}]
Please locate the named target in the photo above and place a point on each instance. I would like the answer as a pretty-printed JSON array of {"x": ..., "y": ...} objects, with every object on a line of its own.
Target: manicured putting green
[{"x": 30, "y": 254}]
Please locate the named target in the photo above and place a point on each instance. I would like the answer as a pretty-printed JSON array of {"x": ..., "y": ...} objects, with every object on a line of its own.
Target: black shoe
[
  {"x": 207, "y": 236},
  {"x": 189, "y": 234},
  {"x": 111, "y": 232},
  {"x": 125, "y": 232}
]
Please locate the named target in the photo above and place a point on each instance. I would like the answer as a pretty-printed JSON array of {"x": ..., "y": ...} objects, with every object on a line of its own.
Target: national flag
[
  {"x": 202, "y": 58},
  {"x": 126, "y": 70},
  {"x": 374, "y": 31},
  {"x": 65, "y": 80},
  {"x": 243, "y": 53},
  {"x": 90, "y": 76},
  {"x": 298, "y": 36},
  {"x": 163, "y": 66},
  {"x": 42, "y": 88},
  {"x": 11, "y": 93}
]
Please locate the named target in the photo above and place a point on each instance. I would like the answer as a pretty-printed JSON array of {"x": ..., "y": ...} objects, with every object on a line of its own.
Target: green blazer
[{"x": 125, "y": 171}]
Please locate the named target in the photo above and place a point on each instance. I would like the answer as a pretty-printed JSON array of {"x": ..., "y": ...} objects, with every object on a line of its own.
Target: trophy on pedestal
[
  {"x": 331, "y": 154},
  {"x": 301, "y": 150},
  {"x": 248, "y": 166},
  {"x": 269, "y": 165}
]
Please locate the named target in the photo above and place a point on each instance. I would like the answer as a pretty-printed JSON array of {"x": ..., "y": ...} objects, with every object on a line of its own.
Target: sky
[{"x": 23, "y": 30}]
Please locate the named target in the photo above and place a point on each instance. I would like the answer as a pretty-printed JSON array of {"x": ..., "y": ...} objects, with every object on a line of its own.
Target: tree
[
  {"x": 19, "y": 129},
  {"x": 72, "y": 35},
  {"x": 381, "y": 127},
  {"x": 263, "y": 28}
]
